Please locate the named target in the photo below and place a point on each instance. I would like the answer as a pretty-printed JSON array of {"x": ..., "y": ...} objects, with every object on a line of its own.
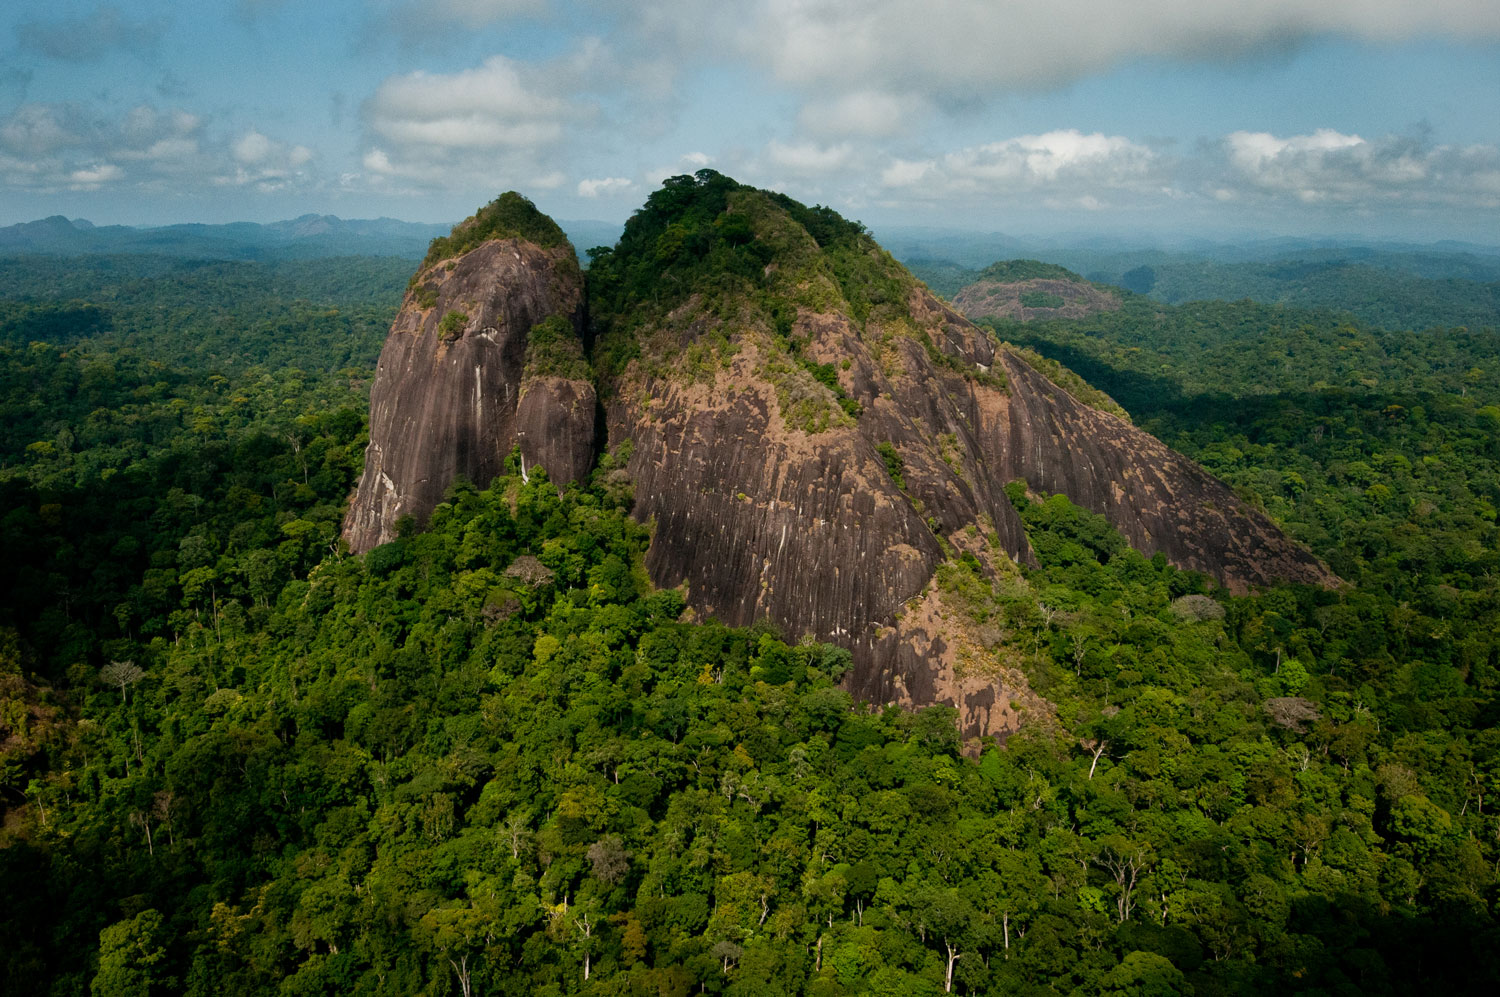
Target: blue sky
[{"x": 1377, "y": 118}]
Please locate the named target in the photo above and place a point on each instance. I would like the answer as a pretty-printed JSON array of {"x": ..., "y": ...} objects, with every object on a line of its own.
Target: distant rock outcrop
[
  {"x": 483, "y": 357},
  {"x": 1024, "y": 290}
]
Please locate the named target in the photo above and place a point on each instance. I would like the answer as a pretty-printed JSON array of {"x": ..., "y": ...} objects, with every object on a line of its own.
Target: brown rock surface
[
  {"x": 994, "y": 299},
  {"x": 771, "y": 494},
  {"x": 555, "y": 426},
  {"x": 760, "y": 518},
  {"x": 450, "y": 399}
]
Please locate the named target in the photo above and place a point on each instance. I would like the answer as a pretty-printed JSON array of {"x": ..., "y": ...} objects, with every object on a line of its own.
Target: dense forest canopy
[
  {"x": 1014, "y": 271},
  {"x": 489, "y": 758},
  {"x": 1387, "y": 289},
  {"x": 509, "y": 216}
]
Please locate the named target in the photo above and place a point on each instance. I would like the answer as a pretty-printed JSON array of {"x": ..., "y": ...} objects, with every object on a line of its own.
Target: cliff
[
  {"x": 814, "y": 437},
  {"x": 485, "y": 355},
  {"x": 814, "y": 434}
]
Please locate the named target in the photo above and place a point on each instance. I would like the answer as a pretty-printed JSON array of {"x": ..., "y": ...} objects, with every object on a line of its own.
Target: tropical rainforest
[{"x": 490, "y": 758}]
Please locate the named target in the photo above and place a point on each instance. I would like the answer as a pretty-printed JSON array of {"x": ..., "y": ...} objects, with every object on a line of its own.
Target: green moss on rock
[{"x": 553, "y": 349}]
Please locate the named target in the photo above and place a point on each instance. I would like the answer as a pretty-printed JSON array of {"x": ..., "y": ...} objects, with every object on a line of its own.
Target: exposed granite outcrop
[
  {"x": 995, "y": 299},
  {"x": 760, "y": 519},
  {"x": 450, "y": 396},
  {"x": 812, "y": 439}
]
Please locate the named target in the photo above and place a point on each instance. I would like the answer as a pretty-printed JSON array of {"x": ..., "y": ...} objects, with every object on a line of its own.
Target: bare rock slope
[
  {"x": 814, "y": 434},
  {"x": 484, "y": 355},
  {"x": 1033, "y": 299},
  {"x": 1023, "y": 290}
]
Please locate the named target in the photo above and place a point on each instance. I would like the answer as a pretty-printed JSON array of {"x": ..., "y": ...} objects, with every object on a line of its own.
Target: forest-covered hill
[
  {"x": 491, "y": 759},
  {"x": 1391, "y": 290}
]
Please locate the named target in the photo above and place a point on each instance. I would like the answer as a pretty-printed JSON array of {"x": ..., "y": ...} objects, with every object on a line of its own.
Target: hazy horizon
[{"x": 1165, "y": 240}]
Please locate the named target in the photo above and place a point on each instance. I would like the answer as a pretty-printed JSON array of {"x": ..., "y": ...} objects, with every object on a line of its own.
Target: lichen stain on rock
[
  {"x": 825, "y": 545},
  {"x": 1158, "y": 499},
  {"x": 555, "y": 426},
  {"x": 936, "y": 659}
]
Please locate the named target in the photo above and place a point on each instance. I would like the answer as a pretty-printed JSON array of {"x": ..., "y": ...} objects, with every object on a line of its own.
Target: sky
[{"x": 1144, "y": 118}]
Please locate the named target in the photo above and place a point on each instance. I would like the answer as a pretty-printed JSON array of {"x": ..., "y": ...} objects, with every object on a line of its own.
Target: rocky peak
[
  {"x": 484, "y": 356},
  {"x": 815, "y": 435},
  {"x": 817, "y": 440}
]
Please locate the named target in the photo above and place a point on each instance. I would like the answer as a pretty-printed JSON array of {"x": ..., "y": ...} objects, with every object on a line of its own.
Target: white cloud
[
  {"x": 251, "y": 148},
  {"x": 1324, "y": 169},
  {"x": 1030, "y": 160},
  {"x": 376, "y": 161},
  {"x": 501, "y": 124},
  {"x": 905, "y": 172},
  {"x": 144, "y": 125},
  {"x": 946, "y": 47},
  {"x": 872, "y": 67},
  {"x": 867, "y": 113},
  {"x": 690, "y": 162},
  {"x": 808, "y": 158},
  {"x": 605, "y": 187},
  {"x": 483, "y": 108},
  {"x": 95, "y": 176},
  {"x": 1066, "y": 163},
  {"x": 1328, "y": 167},
  {"x": 264, "y": 162},
  {"x": 164, "y": 151},
  {"x": 35, "y": 130},
  {"x": 73, "y": 147}
]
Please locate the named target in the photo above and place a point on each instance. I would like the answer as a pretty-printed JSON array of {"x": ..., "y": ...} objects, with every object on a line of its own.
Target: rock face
[
  {"x": 771, "y": 500},
  {"x": 555, "y": 426},
  {"x": 1039, "y": 298},
  {"x": 811, "y": 433},
  {"x": 452, "y": 396}
]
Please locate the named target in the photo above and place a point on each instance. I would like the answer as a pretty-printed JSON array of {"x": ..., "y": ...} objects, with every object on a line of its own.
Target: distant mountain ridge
[
  {"x": 1394, "y": 290},
  {"x": 305, "y": 237}
]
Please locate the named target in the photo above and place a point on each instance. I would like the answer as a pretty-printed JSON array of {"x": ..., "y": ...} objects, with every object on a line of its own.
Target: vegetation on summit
[
  {"x": 1015, "y": 271},
  {"x": 708, "y": 260},
  {"x": 509, "y": 216}
]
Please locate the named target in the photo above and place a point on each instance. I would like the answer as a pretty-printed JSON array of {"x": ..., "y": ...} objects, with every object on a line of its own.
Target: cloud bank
[{"x": 65, "y": 146}]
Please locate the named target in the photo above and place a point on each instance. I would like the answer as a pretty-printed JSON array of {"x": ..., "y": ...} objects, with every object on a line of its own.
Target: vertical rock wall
[{"x": 450, "y": 397}]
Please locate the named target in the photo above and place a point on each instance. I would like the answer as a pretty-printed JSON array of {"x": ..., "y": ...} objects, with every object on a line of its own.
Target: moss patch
[
  {"x": 553, "y": 349},
  {"x": 452, "y": 325}
]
